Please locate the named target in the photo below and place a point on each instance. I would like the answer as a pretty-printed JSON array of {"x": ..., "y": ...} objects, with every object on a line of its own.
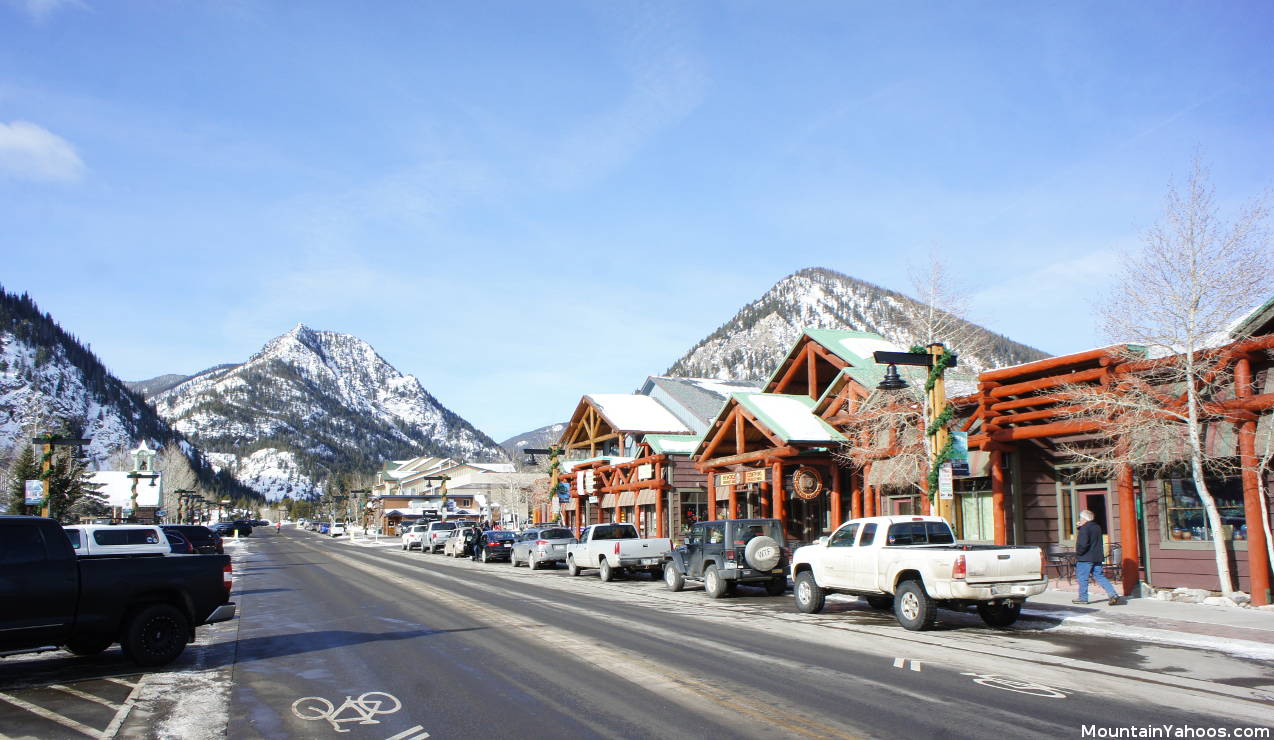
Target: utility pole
[{"x": 50, "y": 441}]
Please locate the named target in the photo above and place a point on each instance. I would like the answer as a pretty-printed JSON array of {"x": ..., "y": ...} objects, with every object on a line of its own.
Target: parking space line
[
  {"x": 124, "y": 709},
  {"x": 51, "y": 716},
  {"x": 84, "y": 695},
  {"x": 121, "y": 682}
]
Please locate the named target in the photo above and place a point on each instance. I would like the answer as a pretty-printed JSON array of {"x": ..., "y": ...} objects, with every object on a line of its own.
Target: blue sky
[{"x": 523, "y": 202}]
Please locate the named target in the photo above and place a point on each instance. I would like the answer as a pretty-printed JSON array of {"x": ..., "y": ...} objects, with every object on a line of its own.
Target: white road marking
[
  {"x": 84, "y": 695},
  {"x": 124, "y": 709},
  {"x": 902, "y": 663},
  {"x": 999, "y": 681},
  {"x": 51, "y": 716},
  {"x": 899, "y": 662},
  {"x": 403, "y": 735}
]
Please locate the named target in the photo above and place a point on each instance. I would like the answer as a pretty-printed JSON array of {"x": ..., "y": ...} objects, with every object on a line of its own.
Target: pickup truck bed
[{"x": 150, "y": 605}]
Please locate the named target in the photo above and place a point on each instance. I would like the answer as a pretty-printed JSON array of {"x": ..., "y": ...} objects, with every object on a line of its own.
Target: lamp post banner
[
  {"x": 33, "y": 492},
  {"x": 959, "y": 456}
]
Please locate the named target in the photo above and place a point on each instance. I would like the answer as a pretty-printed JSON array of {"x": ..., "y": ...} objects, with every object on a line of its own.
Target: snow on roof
[
  {"x": 855, "y": 347},
  {"x": 790, "y": 417},
  {"x": 673, "y": 444},
  {"x": 634, "y": 413},
  {"x": 494, "y": 467},
  {"x": 117, "y": 487}
]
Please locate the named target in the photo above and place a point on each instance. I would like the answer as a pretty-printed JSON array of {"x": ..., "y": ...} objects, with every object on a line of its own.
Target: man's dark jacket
[{"x": 1088, "y": 544}]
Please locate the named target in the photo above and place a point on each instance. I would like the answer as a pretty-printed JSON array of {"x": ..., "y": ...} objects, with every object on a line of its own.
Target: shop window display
[{"x": 1186, "y": 520}]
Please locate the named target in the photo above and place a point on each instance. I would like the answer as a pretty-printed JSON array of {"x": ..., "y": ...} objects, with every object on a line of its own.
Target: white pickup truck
[
  {"x": 913, "y": 565},
  {"x": 614, "y": 549}
]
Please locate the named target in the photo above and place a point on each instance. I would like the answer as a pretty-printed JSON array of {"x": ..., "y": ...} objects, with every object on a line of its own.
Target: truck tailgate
[
  {"x": 647, "y": 548},
  {"x": 999, "y": 566}
]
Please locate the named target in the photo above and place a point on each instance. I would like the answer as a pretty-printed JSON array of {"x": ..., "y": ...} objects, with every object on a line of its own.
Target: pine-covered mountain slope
[
  {"x": 311, "y": 404},
  {"x": 536, "y": 439},
  {"x": 49, "y": 381},
  {"x": 751, "y": 344}
]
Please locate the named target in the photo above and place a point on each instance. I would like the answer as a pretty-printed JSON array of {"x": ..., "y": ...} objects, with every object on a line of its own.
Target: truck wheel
[
  {"x": 809, "y": 597},
  {"x": 1000, "y": 615},
  {"x": 89, "y": 644},
  {"x": 672, "y": 579},
  {"x": 155, "y": 635},
  {"x": 883, "y": 603},
  {"x": 913, "y": 607},
  {"x": 606, "y": 572},
  {"x": 776, "y": 587},
  {"x": 571, "y": 568},
  {"x": 713, "y": 584}
]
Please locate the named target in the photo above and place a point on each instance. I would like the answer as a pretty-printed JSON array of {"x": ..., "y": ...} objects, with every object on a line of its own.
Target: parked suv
[
  {"x": 537, "y": 547},
  {"x": 204, "y": 540},
  {"x": 412, "y": 536},
  {"x": 726, "y": 553}
]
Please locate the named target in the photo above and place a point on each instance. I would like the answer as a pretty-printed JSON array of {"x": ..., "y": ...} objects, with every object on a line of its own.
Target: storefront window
[
  {"x": 976, "y": 517},
  {"x": 1187, "y": 520}
]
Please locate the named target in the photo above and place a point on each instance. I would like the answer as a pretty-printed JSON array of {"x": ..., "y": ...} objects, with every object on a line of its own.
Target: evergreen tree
[
  {"x": 72, "y": 494},
  {"x": 25, "y": 468}
]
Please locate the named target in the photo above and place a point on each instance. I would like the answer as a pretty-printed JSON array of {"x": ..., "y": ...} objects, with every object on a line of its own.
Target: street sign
[
  {"x": 161, "y": 512},
  {"x": 946, "y": 487},
  {"x": 33, "y": 491}
]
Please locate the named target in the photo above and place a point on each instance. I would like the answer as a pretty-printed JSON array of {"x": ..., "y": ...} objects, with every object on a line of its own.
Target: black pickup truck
[{"x": 149, "y": 605}]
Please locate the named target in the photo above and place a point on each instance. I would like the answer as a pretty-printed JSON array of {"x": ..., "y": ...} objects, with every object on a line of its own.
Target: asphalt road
[{"x": 342, "y": 641}]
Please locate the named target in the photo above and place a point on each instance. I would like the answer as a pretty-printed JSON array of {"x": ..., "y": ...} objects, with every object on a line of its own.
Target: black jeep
[{"x": 726, "y": 553}]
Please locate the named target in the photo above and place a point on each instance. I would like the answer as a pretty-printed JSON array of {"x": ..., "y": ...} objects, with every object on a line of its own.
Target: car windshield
[
  {"x": 614, "y": 532},
  {"x": 555, "y": 534},
  {"x": 444, "y": 525}
]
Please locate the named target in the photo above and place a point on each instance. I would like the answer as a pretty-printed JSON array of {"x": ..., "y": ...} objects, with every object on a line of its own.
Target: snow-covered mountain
[
  {"x": 50, "y": 382},
  {"x": 310, "y": 404},
  {"x": 753, "y": 343},
  {"x": 536, "y": 439}
]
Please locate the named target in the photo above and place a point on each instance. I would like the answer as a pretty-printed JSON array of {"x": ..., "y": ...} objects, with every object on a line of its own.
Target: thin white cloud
[
  {"x": 42, "y": 10},
  {"x": 30, "y": 152}
]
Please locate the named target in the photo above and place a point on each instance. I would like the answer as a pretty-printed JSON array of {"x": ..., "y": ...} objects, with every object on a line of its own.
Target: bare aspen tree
[
  {"x": 887, "y": 432},
  {"x": 942, "y": 313},
  {"x": 1177, "y": 299}
]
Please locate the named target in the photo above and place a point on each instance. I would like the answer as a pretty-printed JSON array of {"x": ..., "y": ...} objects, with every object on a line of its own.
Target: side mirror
[{"x": 821, "y": 541}]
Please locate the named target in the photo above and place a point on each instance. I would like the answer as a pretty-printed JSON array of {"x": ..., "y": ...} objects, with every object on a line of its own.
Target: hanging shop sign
[
  {"x": 563, "y": 492},
  {"x": 959, "y": 455},
  {"x": 728, "y": 479},
  {"x": 756, "y": 476},
  {"x": 645, "y": 472},
  {"x": 33, "y": 492},
  {"x": 946, "y": 485},
  {"x": 807, "y": 482}
]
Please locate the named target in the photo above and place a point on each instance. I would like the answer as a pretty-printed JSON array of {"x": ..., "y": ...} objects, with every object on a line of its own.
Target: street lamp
[
  {"x": 183, "y": 495},
  {"x": 937, "y": 359},
  {"x": 362, "y": 505}
]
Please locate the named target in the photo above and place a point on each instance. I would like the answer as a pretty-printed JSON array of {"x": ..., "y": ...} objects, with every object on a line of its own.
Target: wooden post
[
  {"x": 937, "y": 404},
  {"x": 836, "y": 506},
  {"x": 997, "y": 497},
  {"x": 1257, "y": 556},
  {"x": 777, "y": 488},
  {"x": 712, "y": 494},
  {"x": 733, "y": 493},
  {"x": 766, "y": 507},
  {"x": 660, "y": 528},
  {"x": 46, "y": 461},
  {"x": 1129, "y": 536},
  {"x": 856, "y": 478}
]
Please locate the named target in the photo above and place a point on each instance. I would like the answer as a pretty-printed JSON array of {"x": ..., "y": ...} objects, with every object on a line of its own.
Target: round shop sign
[{"x": 807, "y": 482}]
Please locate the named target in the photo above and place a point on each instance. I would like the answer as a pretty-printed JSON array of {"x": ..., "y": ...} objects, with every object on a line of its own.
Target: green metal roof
[
  {"x": 673, "y": 444},
  {"x": 790, "y": 417}
]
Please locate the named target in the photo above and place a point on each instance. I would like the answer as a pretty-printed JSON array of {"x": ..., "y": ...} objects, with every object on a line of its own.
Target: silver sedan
[{"x": 541, "y": 546}]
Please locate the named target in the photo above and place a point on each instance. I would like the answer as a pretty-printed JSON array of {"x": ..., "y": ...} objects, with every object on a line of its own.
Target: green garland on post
[{"x": 944, "y": 361}]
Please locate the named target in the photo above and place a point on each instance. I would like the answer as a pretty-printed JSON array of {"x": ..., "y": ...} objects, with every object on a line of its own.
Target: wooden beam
[
  {"x": 1056, "y": 429},
  {"x": 740, "y": 441},
  {"x": 721, "y": 432},
  {"x": 747, "y": 457},
  {"x": 811, "y": 371},
  {"x": 1031, "y": 386},
  {"x": 1047, "y": 365}
]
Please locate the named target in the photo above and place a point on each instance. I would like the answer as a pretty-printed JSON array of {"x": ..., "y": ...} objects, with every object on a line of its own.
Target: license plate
[
  {"x": 559, "y": 547},
  {"x": 998, "y": 590},
  {"x": 650, "y": 561},
  {"x": 778, "y": 570},
  {"x": 506, "y": 545}
]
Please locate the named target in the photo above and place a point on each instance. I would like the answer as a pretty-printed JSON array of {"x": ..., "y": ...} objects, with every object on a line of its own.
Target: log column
[
  {"x": 1257, "y": 556},
  {"x": 778, "y": 497},
  {"x": 1129, "y": 537},
  {"x": 997, "y": 497},
  {"x": 836, "y": 505},
  {"x": 733, "y": 493},
  {"x": 856, "y": 493},
  {"x": 869, "y": 494},
  {"x": 660, "y": 527}
]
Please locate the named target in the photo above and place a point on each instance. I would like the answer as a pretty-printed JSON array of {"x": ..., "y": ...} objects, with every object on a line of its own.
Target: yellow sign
[
  {"x": 728, "y": 479},
  {"x": 756, "y": 476}
]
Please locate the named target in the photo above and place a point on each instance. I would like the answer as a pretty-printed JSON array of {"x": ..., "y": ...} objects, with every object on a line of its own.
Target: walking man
[{"x": 1089, "y": 554}]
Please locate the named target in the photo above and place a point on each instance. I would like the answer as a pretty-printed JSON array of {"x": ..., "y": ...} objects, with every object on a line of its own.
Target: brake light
[
  {"x": 917, "y": 519},
  {"x": 729, "y": 554},
  {"x": 541, "y": 542},
  {"x": 616, "y": 548},
  {"x": 227, "y": 577},
  {"x": 493, "y": 543},
  {"x": 958, "y": 568}
]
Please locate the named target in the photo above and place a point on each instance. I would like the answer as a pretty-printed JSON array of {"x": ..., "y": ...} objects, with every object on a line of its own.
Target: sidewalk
[{"x": 1244, "y": 631}]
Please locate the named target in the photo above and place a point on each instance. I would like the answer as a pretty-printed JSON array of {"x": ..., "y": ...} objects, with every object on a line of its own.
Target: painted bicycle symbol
[
  {"x": 998, "y": 681},
  {"x": 361, "y": 710}
]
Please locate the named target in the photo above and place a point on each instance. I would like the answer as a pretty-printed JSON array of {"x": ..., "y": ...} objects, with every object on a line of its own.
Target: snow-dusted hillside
[
  {"x": 751, "y": 344},
  {"x": 536, "y": 439},
  {"x": 312, "y": 403}
]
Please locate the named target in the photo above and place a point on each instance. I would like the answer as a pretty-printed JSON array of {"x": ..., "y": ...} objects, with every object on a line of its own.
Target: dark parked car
[
  {"x": 494, "y": 544},
  {"x": 726, "y": 553},
  {"x": 228, "y": 529},
  {"x": 204, "y": 540},
  {"x": 150, "y": 605},
  {"x": 178, "y": 544}
]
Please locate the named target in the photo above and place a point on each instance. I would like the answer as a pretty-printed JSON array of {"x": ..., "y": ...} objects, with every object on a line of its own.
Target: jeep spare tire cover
[{"x": 763, "y": 553}]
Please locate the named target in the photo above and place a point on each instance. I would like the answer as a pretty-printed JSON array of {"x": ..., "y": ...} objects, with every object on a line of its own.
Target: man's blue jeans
[{"x": 1083, "y": 570}]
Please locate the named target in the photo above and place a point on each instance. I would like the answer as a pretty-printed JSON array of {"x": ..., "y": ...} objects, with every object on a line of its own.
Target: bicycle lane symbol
[
  {"x": 362, "y": 710},
  {"x": 998, "y": 681}
]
